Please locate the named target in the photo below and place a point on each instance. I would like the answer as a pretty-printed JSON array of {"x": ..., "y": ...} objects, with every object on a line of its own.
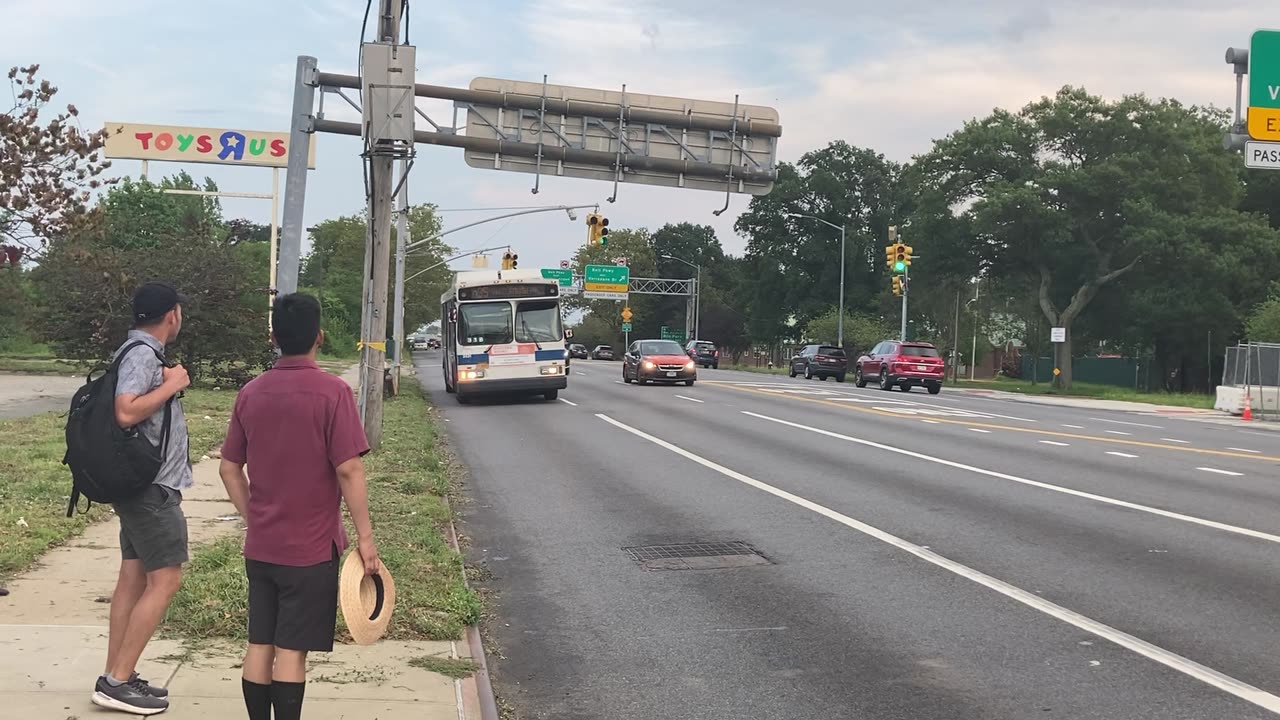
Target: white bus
[{"x": 503, "y": 334}]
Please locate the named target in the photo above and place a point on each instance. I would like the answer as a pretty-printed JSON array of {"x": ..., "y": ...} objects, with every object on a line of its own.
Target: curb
[{"x": 484, "y": 688}]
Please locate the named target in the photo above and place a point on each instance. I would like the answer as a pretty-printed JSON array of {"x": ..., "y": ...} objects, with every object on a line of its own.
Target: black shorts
[
  {"x": 153, "y": 528},
  {"x": 293, "y": 608}
]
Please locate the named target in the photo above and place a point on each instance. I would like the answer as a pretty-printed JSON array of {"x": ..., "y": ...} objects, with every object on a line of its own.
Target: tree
[
  {"x": 861, "y": 331},
  {"x": 633, "y": 244},
  {"x": 1070, "y": 192},
  {"x": 686, "y": 243},
  {"x": 84, "y": 283},
  {"x": 47, "y": 172},
  {"x": 1263, "y": 324}
]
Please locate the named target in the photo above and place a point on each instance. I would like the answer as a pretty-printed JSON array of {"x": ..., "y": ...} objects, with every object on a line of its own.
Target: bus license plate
[{"x": 671, "y": 374}]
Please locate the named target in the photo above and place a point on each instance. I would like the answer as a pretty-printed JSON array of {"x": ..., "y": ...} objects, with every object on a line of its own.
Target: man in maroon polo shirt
[{"x": 297, "y": 429}]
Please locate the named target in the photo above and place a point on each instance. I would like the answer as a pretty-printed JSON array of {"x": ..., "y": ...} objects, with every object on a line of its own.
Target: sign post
[
  {"x": 1057, "y": 336},
  {"x": 605, "y": 282}
]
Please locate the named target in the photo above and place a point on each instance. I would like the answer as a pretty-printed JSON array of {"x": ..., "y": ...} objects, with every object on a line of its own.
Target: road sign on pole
[
  {"x": 1262, "y": 155},
  {"x": 627, "y": 137},
  {"x": 564, "y": 265},
  {"x": 606, "y": 282},
  {"x": 1264, "y": 85},
  {"x": 626, "y": 315},
  {"x": 668, "y": 333},
  {"x": 626, "y": 327},
  {"x": 1058, "y": 334}
]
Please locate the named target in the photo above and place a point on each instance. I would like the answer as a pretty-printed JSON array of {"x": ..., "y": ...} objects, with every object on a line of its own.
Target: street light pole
[
  {"x": 697, "y": 295},
  {"x": 973, "y": 352},
  {"x": 840, "y": 310}
]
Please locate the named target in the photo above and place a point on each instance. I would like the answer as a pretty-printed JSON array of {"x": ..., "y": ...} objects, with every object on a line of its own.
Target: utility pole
[
  {"x": 373, "y": 334},
  {"x": 295, "y": 178},
  {"x": 402, "y": 242},
  {"x": 955, "y": 343}
]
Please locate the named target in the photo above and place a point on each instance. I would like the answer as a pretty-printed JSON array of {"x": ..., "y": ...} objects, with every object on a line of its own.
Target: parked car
[
  {"x": 660, "y": 361},
  {"x": 602, "y": 352},
  {"x": 820, "y": 361},
  {"x": 433, "y": 343},
  {"x": 704, "y": 353},
  {"x": 419, "y": 343},
  {"x": 577, "y": 350},
  {"x": 903, "y": 365}
]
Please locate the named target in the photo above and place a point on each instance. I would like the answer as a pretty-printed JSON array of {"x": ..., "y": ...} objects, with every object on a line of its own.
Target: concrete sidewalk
[{"x": 54, "y": 635}]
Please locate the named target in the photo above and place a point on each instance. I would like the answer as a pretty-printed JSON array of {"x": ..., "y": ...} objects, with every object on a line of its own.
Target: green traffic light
[{"x": 899, "y": 266}]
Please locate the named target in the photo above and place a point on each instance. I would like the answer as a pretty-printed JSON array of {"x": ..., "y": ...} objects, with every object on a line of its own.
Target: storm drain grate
[{"x": 696, "y": 556}]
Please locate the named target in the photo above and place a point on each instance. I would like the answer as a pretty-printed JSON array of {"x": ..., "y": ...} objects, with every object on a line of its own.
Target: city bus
[{"x": 503, "y": 334}]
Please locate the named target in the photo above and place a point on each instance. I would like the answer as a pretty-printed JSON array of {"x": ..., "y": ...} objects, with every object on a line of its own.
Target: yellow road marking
[{"x": 995, "y": 426}]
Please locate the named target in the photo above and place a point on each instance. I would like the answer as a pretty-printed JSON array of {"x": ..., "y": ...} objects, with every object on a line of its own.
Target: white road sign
[
  {"x": 1262, "y": 155},
  {"x": 1057, "y": 334},
  {"x": 564, "y": 264}
]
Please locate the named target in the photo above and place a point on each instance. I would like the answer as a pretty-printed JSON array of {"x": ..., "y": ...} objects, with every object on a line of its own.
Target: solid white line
[
  {"x": 1076, "y": 427},
  {"x": 1180, "y": 442},
  {"x": 619, "y": 382},
  {"x": 1116, "y": 432},
  {"x": 1120, "y": 454},
  {"x": 682, "y": 397},
  {"x": 1245, "y": 450},
  {"x": 1055, "y": 442},
  {"x": 1220, "y": 472},
  {"x": 1266, "y": 435},
  {"x": 1122, "y": 422},
  {"x": 1137, "y": 645},
  {"x": 1257, "y": 534},
  {"x": 566, "y": 402},
  {"x": 979, "y": 430},
  {"x": 580, "y": 372}
]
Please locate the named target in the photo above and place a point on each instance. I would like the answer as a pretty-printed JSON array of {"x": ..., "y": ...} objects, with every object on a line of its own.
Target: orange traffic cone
[{"x": 1248, "y": 411}]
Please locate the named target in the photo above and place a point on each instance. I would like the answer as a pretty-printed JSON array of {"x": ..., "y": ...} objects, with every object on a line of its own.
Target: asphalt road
[
  {"x": 920, "y": 557},
  {"x": 26, "y": 395}
]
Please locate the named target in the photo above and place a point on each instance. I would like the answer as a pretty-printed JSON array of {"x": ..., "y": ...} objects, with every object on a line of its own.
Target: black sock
[
  {"x": 286, "y": 698},
  {"x": 257, "y": 699}
]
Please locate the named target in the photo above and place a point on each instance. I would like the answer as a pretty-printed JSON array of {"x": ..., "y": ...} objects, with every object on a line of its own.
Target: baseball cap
[{"x": 152, "y": 300}]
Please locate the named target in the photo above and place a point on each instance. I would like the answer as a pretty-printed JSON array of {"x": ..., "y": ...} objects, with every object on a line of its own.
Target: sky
[{"x": 889, "y": 76}]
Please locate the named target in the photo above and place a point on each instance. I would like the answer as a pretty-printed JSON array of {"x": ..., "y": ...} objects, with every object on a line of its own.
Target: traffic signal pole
[{"x": 906, "y": 288}]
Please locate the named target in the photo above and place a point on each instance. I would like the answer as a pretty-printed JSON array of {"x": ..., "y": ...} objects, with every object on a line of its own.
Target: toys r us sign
[{"x": 221, "y": 146}]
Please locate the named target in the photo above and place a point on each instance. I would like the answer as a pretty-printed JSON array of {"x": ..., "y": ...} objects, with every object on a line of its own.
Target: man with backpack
[{"x": 153, "y": 529}]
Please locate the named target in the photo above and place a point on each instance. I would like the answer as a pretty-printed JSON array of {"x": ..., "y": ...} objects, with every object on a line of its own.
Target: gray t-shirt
[{"x": 139, "y": 374}]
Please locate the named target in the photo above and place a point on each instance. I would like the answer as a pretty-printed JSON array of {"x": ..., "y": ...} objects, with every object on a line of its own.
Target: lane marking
[
  {"x": 980, "y": 430},
  {"x": 1169, "y": 659},
  {"x": 580, "y": 372},
  {"x": 1077, "y": 427},
  {"x": 1034, "y": 431},
  {"x": 619, "y": 382},
  {"x": 1120, "y": 454},
  {"x": 931, "y": 422},
  {"x": 682, "y": 397},
  {"x": 1174, "y": 440},
  {"x": 1232, "y": 473},
  {"x": 1122, "y": 422},
  {"x": 1055, "y": 442},
  {"x": 1257, "y": 534},
  {"x": 1246, "y": 450},
  {"x": 566, "y": 402},
  {"x": 1116, "y": 432}
]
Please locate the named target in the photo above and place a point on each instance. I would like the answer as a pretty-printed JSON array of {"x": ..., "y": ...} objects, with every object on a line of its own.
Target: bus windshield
[
  {"x": 538, "y": 321},
  {"x": 484, "y": 323}
]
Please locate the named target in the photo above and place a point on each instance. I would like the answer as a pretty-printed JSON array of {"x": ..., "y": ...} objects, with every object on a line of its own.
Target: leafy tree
[
  {"x": 634, "y": 245},
  {"x": 1263, "y": 324},
  {"x": 1070, "y": 191},
  {"x": 47, "y": 171},
  {"x": 861, "y": 331}
]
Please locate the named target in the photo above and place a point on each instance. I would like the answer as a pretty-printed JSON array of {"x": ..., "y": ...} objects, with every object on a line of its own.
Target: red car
[
  {"x": 659, "y": 361},
  {"x": 894, "y": 363}
]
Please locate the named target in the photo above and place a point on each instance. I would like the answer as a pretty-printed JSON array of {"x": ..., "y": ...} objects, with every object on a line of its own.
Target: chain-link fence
[{"x": 1252, "y": 365}]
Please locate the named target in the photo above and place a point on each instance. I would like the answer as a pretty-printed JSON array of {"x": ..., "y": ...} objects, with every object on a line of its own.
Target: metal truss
[{"x": 660, "y": 286}]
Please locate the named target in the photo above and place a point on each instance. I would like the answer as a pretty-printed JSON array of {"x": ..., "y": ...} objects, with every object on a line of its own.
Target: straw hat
[{"x": 367, "y": 601}]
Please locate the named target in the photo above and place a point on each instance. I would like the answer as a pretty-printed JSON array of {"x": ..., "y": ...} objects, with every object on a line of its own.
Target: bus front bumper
[{"x": 512, "y": 386}]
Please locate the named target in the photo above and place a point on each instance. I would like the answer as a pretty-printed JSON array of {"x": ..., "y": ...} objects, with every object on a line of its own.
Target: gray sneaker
[
  {"x": 129, "y": 697},
  {"x": 147, "y": 687}
]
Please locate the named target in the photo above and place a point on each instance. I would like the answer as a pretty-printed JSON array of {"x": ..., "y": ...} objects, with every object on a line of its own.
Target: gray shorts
[{"x": 153, "y": 528}]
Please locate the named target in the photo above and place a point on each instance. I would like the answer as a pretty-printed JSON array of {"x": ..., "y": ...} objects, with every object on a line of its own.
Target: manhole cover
[{"x": 696, "y": 556}]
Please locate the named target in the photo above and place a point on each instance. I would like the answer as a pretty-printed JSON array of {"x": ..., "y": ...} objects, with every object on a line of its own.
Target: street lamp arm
[
  {"x": 449, "y": 260},
  {"x": 561, "y": 208},
  {"x": 815, "y": 217}
]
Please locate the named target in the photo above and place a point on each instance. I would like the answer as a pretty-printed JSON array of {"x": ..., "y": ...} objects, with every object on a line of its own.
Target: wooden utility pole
[{"x": 373, "y": 332}]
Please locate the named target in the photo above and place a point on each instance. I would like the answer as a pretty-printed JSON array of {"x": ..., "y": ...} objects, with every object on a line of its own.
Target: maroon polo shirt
[{"x": 293, "y": 426}]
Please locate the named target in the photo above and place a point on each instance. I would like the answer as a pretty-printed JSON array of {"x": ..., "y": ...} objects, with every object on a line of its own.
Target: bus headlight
[
  {"x": 470, "y": 374},
  {"x": 551, "y": 370}
]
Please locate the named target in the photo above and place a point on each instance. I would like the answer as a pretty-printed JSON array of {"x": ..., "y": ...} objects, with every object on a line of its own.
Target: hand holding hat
[{"x": 366, "y": 594}]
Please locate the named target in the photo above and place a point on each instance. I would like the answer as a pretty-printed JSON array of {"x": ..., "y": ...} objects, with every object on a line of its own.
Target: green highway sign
[
  {"x": 666, "y": 333},
  {"x": 564, "y": 277},
  {"x": 606, "y": 282},
  {"x": 626, "y": 327},
  {"x": 1264, "y": 85}
]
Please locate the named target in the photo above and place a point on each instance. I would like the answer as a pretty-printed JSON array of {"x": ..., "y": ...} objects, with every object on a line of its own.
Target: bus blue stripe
[
  {"x": 557, "y": 354},
  {"x": 475, "y": 359}
]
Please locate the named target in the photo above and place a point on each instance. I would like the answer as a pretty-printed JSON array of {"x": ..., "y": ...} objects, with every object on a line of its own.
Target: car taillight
[{"x": 717, "y": 353}]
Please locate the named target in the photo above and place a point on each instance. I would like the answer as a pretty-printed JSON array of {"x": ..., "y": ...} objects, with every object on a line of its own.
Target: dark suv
[
  {"x": 820, "y": 361},
  {"x": 902, "y": 364},
  {"x": 704, "y": 353}
]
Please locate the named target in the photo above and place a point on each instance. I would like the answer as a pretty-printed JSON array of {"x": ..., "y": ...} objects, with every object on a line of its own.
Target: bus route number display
[{"x": 504, "y": 292}]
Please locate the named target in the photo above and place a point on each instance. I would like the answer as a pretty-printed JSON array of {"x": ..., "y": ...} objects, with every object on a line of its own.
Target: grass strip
[
  {"x": 409, "y": 482},
  {"x": 1092, "y": 390},
  {"x": 35, "y": 485}
]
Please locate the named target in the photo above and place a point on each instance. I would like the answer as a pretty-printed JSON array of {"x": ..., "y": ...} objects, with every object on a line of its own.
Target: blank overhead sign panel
[{"x": 654, "y": 139}]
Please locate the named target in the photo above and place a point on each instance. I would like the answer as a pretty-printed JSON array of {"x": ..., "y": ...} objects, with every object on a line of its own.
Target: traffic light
[
  {"x": 888, "y": 255},
  {"x": 509, "y": 260},
  {"x": 899, "y": 257},
  {"x": 906, "y": 254},
  {"x": 897, "y": 285},
  {"x": 597, "y": 229},
  {"x": 515, "y": 261}
]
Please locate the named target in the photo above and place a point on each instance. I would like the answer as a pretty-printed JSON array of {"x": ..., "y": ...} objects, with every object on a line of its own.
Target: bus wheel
[{"x": 551, "y": 395}]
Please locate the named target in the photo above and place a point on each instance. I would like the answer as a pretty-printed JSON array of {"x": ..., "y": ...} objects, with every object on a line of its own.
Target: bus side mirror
[{"x": 568, "y": 333}]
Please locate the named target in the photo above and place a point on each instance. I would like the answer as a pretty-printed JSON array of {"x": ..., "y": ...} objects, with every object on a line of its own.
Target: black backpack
[{"x": 109, "y": 463}]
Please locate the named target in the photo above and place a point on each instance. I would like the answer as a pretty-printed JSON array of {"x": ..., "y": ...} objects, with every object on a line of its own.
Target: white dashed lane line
[
  {"x": 1246, "y": 450},
  {"x": 566, "y": 402},
  {"x": 1074, "y": 427},
  {"x": 979, "y": 430},
  {"x": 1117, "y": 432},
  {"x": 1121, "y": 454},
  {"x": 1122, "y": 422},
  {"x": 1220, "y": 472},
  {"x": 682, "y": 397},
  {"x": 1174, "y": 440},
  {"x": 1055, "y": 443}
]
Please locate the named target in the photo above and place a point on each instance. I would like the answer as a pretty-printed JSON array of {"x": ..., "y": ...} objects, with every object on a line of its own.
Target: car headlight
[
  {"x": 689, "y": 365},
  {"x": 647, "y": 365}
]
